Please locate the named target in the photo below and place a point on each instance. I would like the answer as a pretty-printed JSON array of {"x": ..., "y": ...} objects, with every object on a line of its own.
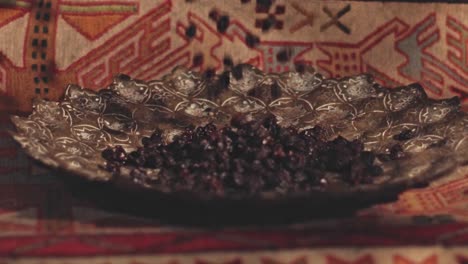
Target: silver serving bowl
[{"x": 70, "y": 134}]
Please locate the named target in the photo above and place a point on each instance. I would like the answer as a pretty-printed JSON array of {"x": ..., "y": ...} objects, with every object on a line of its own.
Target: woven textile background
[{"x": 46, "y": 44}]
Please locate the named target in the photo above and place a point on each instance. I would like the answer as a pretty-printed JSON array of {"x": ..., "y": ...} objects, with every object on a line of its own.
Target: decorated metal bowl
[{"x": 70, "y": 135}]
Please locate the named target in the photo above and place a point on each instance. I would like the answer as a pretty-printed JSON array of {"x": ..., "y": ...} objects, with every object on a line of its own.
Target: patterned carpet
[{"x": 46, "y": 44}]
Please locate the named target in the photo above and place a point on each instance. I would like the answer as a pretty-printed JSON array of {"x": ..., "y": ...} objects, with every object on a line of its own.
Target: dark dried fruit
[
  {"x": 275, "y": 91},
  {"x": 107, "y": 153},
  {"x": 396, "y": 152},
  {"x": 247, "y": 157},
  {"x": 405, "y": 134}
]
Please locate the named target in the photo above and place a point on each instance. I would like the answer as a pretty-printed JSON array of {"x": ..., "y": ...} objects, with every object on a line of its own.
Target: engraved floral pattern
[{"x": 71, "y": 134}]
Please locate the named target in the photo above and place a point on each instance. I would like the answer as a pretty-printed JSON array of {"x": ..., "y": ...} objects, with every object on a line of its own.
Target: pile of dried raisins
[{"x": 248, "y": 157}]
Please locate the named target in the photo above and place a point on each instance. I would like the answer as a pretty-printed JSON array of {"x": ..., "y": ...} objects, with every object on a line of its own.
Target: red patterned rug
[{"x": 46, "y": 44}]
